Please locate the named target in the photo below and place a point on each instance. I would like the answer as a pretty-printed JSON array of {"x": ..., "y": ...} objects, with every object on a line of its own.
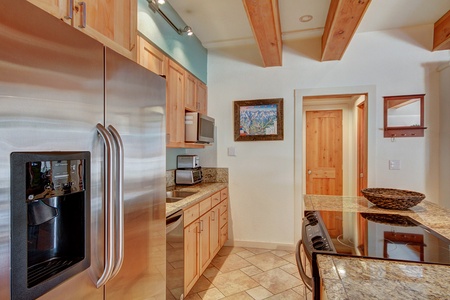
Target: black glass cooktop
[{"x": 386, "y": 236}]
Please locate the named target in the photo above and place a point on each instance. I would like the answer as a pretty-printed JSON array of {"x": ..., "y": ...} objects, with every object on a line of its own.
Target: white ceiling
[{"x": 219, "y": 23}]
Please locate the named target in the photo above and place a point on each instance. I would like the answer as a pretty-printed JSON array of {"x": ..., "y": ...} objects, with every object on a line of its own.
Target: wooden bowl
[{"x": 392, "y": 198}]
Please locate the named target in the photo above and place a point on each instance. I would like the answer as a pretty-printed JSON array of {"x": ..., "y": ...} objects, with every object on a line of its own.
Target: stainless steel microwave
[{"x": 199, "y": 128}]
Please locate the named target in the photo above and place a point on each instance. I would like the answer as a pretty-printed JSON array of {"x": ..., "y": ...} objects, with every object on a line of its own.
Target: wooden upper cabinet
[
  {"x": 151, "y": 57},
  {"x": 111, "y": 22},
  {"x": 191, "y": 92},
  {"x": 58, "y": 8},
  {"x": 196, "y": 94},
  {"x": 202, "y": 98},
  {"x": 175, "y": 93}
]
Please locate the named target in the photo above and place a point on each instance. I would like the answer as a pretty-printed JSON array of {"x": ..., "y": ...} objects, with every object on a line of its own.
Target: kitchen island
[{"x": 345, "y": 277}]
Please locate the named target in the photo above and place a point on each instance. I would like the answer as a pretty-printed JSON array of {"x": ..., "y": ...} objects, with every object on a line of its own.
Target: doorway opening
[
  {"x": 315, "y": 99},
  {"x": 335, "y": 144}
]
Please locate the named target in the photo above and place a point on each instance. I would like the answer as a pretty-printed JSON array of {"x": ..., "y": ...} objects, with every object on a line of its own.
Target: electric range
[{"x": 371, "y": 235}]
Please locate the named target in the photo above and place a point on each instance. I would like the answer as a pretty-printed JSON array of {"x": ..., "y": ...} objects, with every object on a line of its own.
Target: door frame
[{"x": 299, "y": 95}]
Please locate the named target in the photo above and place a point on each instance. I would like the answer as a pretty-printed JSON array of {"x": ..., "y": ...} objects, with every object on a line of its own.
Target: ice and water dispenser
[{"x": 50, "y": 216}]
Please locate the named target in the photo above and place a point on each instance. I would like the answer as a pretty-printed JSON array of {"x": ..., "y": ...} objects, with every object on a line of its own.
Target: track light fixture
[{"x": 154, "y": 6}]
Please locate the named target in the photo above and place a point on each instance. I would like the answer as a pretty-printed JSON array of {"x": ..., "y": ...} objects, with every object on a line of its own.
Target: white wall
[{"x": 262, "y": 184}]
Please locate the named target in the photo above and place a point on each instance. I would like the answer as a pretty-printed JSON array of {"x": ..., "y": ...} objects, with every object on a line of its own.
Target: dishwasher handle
[{"x": 173, "y": 221}]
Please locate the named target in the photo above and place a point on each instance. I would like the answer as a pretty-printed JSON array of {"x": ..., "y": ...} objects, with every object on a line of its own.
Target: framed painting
[{"x": 258, "y": 120}]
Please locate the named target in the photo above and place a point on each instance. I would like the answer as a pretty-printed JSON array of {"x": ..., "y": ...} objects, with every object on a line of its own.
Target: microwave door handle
[
  {"x": 119, "y": 234},
  {"x": 108, "y": 208}
]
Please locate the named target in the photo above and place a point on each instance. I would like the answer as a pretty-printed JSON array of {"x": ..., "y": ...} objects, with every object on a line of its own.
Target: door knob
[{"x": 309, "y": 172}]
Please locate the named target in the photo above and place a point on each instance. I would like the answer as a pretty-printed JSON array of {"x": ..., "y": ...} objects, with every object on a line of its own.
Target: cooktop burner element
[{"x": 386, "y": 236}]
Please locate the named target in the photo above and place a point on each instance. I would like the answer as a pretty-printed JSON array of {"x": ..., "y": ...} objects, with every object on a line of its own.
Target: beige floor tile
[
  {"x": 286, "y": 295},
  {"x": 233, "y": 282},
  {"x": 245, "y": 253},
  {"x": 211, "y": 271},
  {"x": 290, "y": 258},
  {"x": 276, "y": 280},
  {"x": 227, "y": 250},
  {"x": 251, "y": 270},
  {"x": 202, "y": 284},
  {"x": 257, "y": 250},
  {"x": 193, "y": 297},
  {"x": 249, "y": 274},
  {"x": 280, "y": 253},
  {"x": 267, "y": 261},
  {"x": 239, "y": 296},
  {"x": 229, "y": 263},
  {"x": 290, "y": 268},
  {"x": 259, "y": 293},
  {"x": 211, "y": 294}
]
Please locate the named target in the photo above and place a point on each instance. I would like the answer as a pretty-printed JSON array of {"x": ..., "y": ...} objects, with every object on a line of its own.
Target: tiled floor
[{"x": 249, "y": 273}]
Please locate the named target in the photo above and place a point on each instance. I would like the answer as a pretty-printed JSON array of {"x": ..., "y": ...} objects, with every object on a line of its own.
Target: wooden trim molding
[
  {"x": 441, "y": 36},
  {"x": 264, "y": 18},
  {"x": 343, "y": 19}
]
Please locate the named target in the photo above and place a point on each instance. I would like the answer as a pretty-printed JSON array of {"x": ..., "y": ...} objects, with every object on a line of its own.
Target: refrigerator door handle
[
  {"x": 109, "y": 207},
  {"x": 119, "y": 234}
]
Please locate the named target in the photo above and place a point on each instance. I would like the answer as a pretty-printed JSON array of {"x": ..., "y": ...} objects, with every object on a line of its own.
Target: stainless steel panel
[
  {"x": 135, "y": 106},
  {"x": 51, "y": 95}
]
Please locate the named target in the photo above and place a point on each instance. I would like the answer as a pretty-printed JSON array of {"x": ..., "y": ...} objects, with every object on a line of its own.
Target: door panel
[
  {"x": 324, "y": 152},
  {"x": 324, "y": 160}
]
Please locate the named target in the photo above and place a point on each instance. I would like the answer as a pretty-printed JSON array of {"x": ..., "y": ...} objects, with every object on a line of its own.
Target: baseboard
[{"x": 260, "y": 245}]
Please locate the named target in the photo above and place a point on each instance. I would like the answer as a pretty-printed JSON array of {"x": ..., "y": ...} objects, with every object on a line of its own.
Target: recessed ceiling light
[{"x": 306, "y": 18}]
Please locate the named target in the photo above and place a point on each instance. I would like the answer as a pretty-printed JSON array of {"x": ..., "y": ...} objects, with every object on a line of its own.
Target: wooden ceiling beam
[
  {"x": 441, "y": 37},
  {"x": 343, "y": 19},
  {"x": 264, "y": 18}
]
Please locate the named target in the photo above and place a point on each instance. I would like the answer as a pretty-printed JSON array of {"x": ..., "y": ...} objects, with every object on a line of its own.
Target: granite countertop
[
  {"x": 203, "y": 190},
  {"x": 363, "y": 278}
]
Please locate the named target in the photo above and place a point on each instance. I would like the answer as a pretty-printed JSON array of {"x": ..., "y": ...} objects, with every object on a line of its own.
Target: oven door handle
[{"x": 306, "y": 279}]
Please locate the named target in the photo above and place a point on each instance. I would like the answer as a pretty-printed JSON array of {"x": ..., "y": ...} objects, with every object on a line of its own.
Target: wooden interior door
[
  {"x": 324, "y": 152},
  {"x": 324, "y": 161}
]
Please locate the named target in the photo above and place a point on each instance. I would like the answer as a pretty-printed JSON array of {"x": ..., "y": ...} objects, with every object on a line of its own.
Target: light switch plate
[
  {"x": 394, "y": 164},
  {"x": 231, "y": 151}
]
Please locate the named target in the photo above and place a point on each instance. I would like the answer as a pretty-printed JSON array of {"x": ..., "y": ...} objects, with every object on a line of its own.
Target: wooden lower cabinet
[
  {"x": 191, "y": 256},
  {"x": 204, "y": 227}
]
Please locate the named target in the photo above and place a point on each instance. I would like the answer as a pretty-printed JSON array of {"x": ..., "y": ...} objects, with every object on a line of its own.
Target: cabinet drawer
[
  {"x": 223, "y": 218},
  {"x": 224, "y": 194},
  {"x": 223, "y": 235},
  {"x": 205, "y": 205},
  {"x": 191, "y": 214},
  {"x": 215, "y": 199},
  {"x": 223, "y": 206}
]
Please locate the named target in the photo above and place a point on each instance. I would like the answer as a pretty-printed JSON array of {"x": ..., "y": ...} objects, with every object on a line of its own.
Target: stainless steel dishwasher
[{"x": 175, "y": 256}]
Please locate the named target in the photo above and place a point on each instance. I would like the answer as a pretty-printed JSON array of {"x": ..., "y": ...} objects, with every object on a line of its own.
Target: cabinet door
[
  {"x": 191, "y": 256},
  {"x": 57, "y": 8},
  {"x": 191, "y": 92},
  {"x": 175, "y": 105},
  {"x": 151, "y": 58},
  {"x": 202, "y": 98},
  {"x": 112, "y": 22},
  {"x": 205, "y": 250},
  {"x": 214, "y": 231}
]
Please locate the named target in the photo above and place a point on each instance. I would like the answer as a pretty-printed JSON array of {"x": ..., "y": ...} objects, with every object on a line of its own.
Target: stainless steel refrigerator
[{"x": 62, "y": 91}]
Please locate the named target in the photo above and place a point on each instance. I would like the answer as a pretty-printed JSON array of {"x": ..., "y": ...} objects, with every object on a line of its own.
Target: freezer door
[
  {"x": 135, "y": 106},
  {"x": 51, "y": 95}
]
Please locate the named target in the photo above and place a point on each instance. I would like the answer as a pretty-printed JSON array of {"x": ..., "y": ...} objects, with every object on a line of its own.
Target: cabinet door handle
[
  {"x": 69, "y": 11},
  {"x": 83, "y": 14},
  {"x": 213, "y": 217},
  {"x": 201, "y": 225}
]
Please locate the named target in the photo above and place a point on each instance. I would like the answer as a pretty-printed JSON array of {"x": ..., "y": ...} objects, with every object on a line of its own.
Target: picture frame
[{"x": 258, "y": 120}]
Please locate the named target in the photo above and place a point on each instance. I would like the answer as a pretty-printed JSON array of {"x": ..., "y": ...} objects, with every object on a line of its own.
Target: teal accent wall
[
  {"x": 186, "y": 50},
  {"x": 171, "y": 157}
]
